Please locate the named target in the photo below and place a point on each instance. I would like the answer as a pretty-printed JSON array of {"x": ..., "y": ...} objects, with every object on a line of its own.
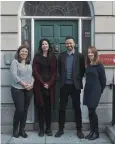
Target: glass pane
[
  {"x": 86, "y": 36},
  {"x": 56, "y": 8},
  {"x": 26, "y": 32}
]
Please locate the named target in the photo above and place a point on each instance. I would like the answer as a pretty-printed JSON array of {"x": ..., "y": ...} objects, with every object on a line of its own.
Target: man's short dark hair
[{"x": 69, "y": 37}]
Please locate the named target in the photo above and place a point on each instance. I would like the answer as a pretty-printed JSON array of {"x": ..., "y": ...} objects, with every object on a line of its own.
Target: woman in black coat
[{"x": 95, "y": 84}]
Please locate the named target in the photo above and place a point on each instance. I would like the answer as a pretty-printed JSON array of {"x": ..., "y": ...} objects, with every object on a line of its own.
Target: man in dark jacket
[{"x": 71, "y": 66}]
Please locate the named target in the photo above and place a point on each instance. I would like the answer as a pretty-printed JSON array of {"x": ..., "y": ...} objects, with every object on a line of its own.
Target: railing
[{"x": 113, "y": 106}]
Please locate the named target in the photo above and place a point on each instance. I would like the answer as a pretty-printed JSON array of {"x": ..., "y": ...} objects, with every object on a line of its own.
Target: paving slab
[
  {"x": 33, "y": 138},
  {"x": 5, "y": 138},
  {"x": 69, "y": 137}
]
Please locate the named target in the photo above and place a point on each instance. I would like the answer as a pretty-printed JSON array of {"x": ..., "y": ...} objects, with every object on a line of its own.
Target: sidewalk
[{"x": 69, "y": 137}]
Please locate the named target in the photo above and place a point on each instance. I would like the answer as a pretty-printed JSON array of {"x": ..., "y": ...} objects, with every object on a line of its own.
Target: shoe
[
  {"x": 89, "y": 135},
  {"x": 94, "y": 136},
  {"x": 59, "y": 133},
  {"x": 15, "y": 133},
  {"x": 41, "y": 133},
  {"x": 80, "y": 134},
  {"x": 22, "y": 133},
  {"x": 48, "y": 132}
]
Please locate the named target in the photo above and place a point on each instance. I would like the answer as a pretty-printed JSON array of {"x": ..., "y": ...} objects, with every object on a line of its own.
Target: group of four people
[{"x": 40, "y": 80}]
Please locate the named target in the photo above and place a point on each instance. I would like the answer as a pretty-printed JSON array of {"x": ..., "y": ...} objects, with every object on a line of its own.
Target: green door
[{"x": 56, "y": 31}]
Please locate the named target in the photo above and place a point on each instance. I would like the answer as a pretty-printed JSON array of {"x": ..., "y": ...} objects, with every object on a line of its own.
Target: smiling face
[
  {"x": 91, "y": 55},
  {"x": 45, "y": 46},
  {"x": 70, "y": 44},
  {"x": 23, "y": 53}
]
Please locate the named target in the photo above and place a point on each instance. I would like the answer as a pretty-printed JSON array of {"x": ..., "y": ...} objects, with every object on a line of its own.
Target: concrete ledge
[
  {"x": 68, "y": 126},
  {"x": 110, "y": 130}
]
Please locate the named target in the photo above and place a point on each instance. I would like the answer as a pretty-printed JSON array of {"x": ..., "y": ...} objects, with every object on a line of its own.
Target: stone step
[{"x": 110, "y": 130}]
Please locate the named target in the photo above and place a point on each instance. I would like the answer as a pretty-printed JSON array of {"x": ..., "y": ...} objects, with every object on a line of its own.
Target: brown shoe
[{"x": 80, "y": 134}]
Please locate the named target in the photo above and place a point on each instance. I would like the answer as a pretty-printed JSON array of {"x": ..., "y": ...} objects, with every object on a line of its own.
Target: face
[
  {"x": 45, "y": 46},
  {"x": 90, "y": 55},
  {"x": 23, "y": 53},
  {"x": 70, "y": 44}
]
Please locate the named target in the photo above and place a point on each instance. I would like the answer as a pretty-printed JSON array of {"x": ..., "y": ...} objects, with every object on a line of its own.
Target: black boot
[
  {"x": 15, "y": 132},
  {"x": 48, "y": 132},
  {"x": 94, "y": 135},
  {"x": 80, "y": 134},
  {"x": 41, "y": 133},
  {"x": 22, "y": 133},
  {"x": 89, "y": 135},
  {"x": 59, "y": 133}
]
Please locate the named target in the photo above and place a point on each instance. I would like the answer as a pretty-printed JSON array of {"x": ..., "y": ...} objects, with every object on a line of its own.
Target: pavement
[{"x": 69, "y": 137}]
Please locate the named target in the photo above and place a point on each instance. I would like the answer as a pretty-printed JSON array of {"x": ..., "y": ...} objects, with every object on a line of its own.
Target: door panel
[{"x": 56, "y": 31}]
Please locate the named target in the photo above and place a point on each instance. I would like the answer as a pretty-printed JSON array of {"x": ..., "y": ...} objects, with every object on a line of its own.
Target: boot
[
  {"x": 89, "y": 135},
  {"x": 80, "y": 134},
  {"x": 59, "y": 133},
  {"x": 15, "y": 132},
  {"x": 41, "y": 133},
  {"x": 94, "y": 135},
  {"x": 22, "y": 133},
  {"x": 48, "y": 132}
]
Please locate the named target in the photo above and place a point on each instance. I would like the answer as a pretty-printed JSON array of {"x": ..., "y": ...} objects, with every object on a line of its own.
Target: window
[{"x": 55, "y": 8}]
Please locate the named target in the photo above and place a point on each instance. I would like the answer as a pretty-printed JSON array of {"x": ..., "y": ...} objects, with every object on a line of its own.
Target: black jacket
[{"x": 78, "y": 69}]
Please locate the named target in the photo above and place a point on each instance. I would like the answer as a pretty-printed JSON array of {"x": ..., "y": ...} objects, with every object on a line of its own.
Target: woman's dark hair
[
  {"x": 17, "y": 57},
  {"x": 50, "y": 50}
]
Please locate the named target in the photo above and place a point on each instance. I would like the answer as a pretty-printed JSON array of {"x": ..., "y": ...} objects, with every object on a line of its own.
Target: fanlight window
[{"x": 55, "y": 8}]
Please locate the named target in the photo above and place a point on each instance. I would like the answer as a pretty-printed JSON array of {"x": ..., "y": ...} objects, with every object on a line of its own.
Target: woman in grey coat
[
  {"x": 95, "y": 84},
  {"x": 21, "y": 90}
]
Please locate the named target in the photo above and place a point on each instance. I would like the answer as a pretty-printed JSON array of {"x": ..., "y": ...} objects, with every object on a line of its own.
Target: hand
[
  {"x": 23, "y": 84},
  {"x": 29, "y": 87},
  {"x": 46, "y": 85}
]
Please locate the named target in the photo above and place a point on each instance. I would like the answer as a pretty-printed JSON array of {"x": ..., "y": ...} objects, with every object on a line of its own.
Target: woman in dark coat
[
  {"x": 44, "y": 72},
  {"x": 95, "y": 84}
]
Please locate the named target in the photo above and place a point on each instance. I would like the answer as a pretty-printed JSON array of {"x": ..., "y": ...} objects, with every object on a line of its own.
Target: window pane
[
  {"x": 56, "y": 8},
  {"x": 25, "y": 30},
  {"x": 86, "y": 36}
]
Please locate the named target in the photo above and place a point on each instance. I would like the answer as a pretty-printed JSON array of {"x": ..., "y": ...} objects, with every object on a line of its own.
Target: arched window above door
[{"x": 56, "y": 8}]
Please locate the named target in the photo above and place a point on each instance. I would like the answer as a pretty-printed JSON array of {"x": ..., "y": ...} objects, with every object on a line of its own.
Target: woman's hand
[
  {"x": 23, "y": 84},
  {"x": 29, "y": 86},
  {"x": 46, "y": 85}
]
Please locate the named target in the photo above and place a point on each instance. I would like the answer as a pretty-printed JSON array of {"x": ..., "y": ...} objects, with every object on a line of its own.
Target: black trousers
[
  {"x": 22, "y": 99},
  {"x": 44, "y": 111},
  {"x": 65, "y": 91},
  {"x": 93, "y": 119}
]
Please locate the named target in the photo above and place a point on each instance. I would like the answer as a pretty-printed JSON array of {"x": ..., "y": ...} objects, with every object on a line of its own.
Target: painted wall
[{"x": 104, "y": 40}]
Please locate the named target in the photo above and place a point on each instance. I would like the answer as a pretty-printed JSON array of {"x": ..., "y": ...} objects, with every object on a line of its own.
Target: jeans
[{"x": 22, "y": 99}]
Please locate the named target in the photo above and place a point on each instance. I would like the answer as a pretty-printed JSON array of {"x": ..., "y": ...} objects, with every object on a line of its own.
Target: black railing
[{"x": 113, "y": 106}]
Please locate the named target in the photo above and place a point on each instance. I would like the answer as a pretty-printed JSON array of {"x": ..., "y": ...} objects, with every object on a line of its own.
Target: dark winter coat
[
  {"x": 38, "y": 79},
  {"x": 95, "y": 84}
]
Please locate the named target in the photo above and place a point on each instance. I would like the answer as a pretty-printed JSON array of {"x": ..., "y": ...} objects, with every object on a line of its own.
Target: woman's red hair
[{"x": 96, "y": 56}]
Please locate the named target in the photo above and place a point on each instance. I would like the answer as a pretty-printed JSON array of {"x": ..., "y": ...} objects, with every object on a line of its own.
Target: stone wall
[{"x": 104, "y": 40}]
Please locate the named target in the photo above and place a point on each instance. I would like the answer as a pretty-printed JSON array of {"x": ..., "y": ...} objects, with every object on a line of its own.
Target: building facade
[{"x": 90, "y": 23}]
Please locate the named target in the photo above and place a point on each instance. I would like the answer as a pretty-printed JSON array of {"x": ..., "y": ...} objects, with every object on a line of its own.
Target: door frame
[{"x": 38, "y": 18}]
